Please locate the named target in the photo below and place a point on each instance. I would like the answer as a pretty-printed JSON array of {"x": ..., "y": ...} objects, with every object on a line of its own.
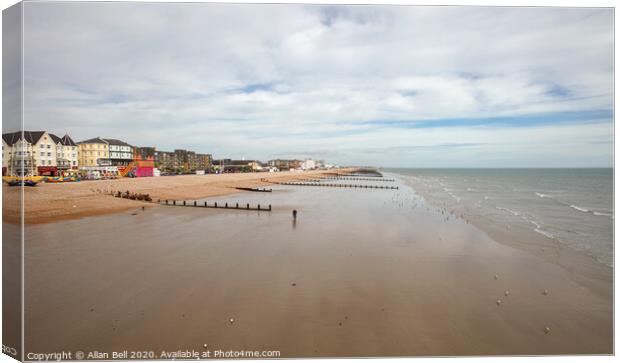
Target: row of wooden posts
[
  {"x": 263, "y": 190},
  {"x": 339, "y": 185},
  {"x": 184, "y": 203},
  {"x": 368, "y": 175},
  {"x": 363, "y": 179}
]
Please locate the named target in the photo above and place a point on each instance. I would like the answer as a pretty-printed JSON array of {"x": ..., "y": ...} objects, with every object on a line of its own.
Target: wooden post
[
  {"x": 248, "y": 206},
  {"x": 205, "y": 204},
  {"x": 269, "y": 207},
  {"x": 237, "y": 205},
  {"x": 195, "y": 203},
  {"x": 259, "y": 207},
  {"x": 226, "y": 205},
  {"x": 184, "y": 203},
  {"x": 215, "y": 204},
  {"x": 174, "y": 202},
  {"x": 166, "y": 201}
]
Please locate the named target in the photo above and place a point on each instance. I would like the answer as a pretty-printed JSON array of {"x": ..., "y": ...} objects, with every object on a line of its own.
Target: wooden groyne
[
  {"x": 339, "y": 185},
  {"x": 360, "y": 179},
  {"x": 184, "y": 203},
  {"x": 366, "y": 175},
  {"x": 262, "y": 190},
  {"x": 225, "y": 205}
]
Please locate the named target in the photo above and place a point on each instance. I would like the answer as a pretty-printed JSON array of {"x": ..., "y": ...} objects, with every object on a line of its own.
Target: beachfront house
[
  {"x": 30, "y": 153},
  {"x": 285, "y": 164},
  {"x": 121, "y": 153},
  {"x": 308, "y": 164},
  {"x": 66, "y": 153},
  {"x": 93, "y": 152}
]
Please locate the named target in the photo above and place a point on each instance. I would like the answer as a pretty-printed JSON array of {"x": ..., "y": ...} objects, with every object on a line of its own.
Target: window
[
  {"x": 49, "y": 146},
  {"x": 42, "y": 154},
  {"x": 42, "y": 146}
]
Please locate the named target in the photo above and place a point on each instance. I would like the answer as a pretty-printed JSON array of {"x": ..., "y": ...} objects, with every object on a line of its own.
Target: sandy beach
[
  {"x": 52, "y": 202},
  {"x": 359, "y": 273}
]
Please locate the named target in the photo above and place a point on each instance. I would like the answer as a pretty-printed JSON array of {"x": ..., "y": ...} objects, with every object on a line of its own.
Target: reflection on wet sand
[{"x": 367, "y": 273}]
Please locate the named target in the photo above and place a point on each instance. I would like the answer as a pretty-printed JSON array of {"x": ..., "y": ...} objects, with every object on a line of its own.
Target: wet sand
[
  {"x": 359, "y": 273},
  {"x": 52, "y": 202},
  {"x": 583, "y": 268}
]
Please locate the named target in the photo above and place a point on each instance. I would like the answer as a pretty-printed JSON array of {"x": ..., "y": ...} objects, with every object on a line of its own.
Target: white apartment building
[
  {"x": 121, "y": 153},
  {"x": 30, "y": 153},
  {"x": 308, "y": 164},
  {"x": 66, "y": 152}
]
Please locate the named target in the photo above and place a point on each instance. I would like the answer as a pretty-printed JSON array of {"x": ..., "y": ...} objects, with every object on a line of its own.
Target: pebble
[
  {"x": 293, "y": 284},
  {"x": 496, "y": 276},
  {"x": 498, "y": 302},
  {"x": 506, "y": 293},
  {"x": 231, "y": 320},
  {"x": 546, "y": 292},
  {"x": 547, "y": 330},
  {"x": 204, "y": 345}
]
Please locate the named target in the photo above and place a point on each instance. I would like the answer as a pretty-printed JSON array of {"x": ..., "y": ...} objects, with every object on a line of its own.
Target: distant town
[{"x": 40, "y": 153}]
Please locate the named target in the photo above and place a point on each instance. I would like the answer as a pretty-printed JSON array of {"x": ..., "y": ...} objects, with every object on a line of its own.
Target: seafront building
[
  {"x": 66, "y": 153},
  {"x": 181, "y": 161},
  {"x": 104, "y": 152},
  {"x": 285, "y": 164},
  {"x": 43, "y": 153},
  {"x": 37, "y": 153},
  {"x": 308, "y": 164},
  {"x": 93, "y": 152},
  {"x": 121, "y": 153}
]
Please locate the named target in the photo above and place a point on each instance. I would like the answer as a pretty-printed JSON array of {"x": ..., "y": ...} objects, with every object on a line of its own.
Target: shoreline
[
  {"x": 48, "y": 203},
  {"x": 583, "y": 268}
]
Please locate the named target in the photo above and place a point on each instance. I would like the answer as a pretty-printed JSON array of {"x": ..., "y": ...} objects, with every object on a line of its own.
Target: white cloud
[{"x": 268, "y": 80}]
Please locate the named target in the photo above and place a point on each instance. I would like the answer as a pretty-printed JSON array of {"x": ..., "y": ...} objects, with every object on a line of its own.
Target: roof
[
  {"x": 116, "y": 142},
  {"x": 31, "y": 137},
  {"x": 65, "y": 140},
  {"x": 95, "y": 140}
]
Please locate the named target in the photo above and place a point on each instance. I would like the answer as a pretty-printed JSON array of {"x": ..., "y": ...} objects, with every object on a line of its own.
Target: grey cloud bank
[{"x": 344, "y": 83}]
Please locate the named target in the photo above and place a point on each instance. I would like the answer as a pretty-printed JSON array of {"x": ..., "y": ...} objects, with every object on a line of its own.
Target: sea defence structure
[{"x": 205, "y": 204}]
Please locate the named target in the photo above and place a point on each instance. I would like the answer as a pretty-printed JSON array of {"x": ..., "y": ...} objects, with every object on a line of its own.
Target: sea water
[{"x": 572, "y": 206}]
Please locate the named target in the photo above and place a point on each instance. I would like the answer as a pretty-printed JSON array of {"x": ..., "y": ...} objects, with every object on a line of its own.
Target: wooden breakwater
[
  {"x": 183, "y": 203},
  {"x": 366, "y": 175},
  {"x": 204, "y": 204},
  {"x": 338, "y": 185},
  {"x": 360, "y": 179},
  {"x": 262, "y": 190}
]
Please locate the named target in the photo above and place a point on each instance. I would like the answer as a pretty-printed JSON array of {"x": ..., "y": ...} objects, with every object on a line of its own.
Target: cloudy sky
[{"x": 364, "y": 85}]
